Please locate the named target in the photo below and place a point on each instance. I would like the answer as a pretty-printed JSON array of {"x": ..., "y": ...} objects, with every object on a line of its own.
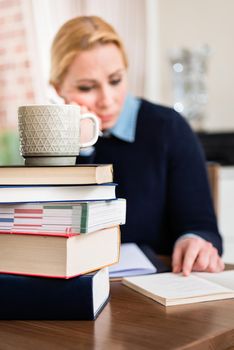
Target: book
[
  {"x": 24, "y": 194},
  {"x": 61, "y": 218},
  {"x": 175, "y": 289},
  {"x": 56, "y": 175},
  {"x": 58, "y": 256},
  {"x": 132, "y": 262},
  {"x": 38, "y": 298}
]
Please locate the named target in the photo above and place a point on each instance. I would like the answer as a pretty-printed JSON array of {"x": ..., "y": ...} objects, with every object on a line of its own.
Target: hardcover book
[
  {"x": 174, "y": 289},
  {"x": 23, "y": 194},
  {"x": 62, "y": 218},
  {"x": 58, "y": 256},
  {"x": 56, "y": 175},
  {"x": 37, "y": 298}
]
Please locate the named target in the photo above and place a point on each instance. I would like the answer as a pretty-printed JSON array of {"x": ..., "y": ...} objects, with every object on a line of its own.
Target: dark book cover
[{"x": 36, "y": 298}]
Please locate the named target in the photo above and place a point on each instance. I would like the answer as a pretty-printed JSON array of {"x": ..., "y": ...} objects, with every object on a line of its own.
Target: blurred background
[{"x": 181, "y": 53}]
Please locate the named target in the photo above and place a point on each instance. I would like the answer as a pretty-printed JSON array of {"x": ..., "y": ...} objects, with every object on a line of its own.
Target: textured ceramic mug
[{"x": 50, "y": 134}]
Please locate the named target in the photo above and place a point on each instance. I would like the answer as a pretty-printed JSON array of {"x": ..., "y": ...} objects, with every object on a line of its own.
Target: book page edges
[
  {"x": 203, "y": 298},
  {"x": 179, "y": 301},
  {"x": 84, "y": 174},
  {"x": 104, "y": 173},
  {"x": 66, "y": 276},
  {"x": 144, "y": 292},
  {"x": 57, "y": 276}
]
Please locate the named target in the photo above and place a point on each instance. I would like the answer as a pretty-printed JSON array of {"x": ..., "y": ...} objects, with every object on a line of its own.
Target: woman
[{"x": 157, "y": 160}]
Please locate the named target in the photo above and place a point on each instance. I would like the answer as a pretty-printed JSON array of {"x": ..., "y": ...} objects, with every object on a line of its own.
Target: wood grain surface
[{"x": 130, "y": 321}]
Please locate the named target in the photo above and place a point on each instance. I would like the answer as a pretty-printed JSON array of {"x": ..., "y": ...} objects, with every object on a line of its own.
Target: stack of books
[{"x": 57, "y": 223}]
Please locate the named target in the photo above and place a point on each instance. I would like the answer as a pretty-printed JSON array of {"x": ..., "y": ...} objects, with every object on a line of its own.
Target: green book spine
[
  {"x": 57, "y": 206},
  {"x": 84, "y": 218}
]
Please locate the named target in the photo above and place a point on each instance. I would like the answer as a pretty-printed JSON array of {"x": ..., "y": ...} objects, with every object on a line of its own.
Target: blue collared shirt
[{"x": 125, "y": 127}]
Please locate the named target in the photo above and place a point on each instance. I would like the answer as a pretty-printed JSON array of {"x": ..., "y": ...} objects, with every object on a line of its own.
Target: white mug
[{"x": 50, "y": 134}]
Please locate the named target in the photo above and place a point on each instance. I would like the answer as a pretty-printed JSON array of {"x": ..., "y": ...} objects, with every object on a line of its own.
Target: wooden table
[{"x": 130, "y": 321}]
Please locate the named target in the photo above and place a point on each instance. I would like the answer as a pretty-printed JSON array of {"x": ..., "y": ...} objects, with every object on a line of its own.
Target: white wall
[
  {"x": 192, "y": 23},
  {"x": 226, "y": 211}
]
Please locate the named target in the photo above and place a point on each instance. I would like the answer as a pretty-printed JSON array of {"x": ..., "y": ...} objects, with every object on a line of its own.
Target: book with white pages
[
  {"x": 174, "y": 289},
  {"x": 55, "y": 218},
  {"x": 56, "y": 193},
  {"x": 132, "y": 262}
]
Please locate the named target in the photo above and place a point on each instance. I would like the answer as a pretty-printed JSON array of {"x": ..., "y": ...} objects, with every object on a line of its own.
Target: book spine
[
  {"x": 84, "y": 218},
  {"x": 47, "y": 299}
]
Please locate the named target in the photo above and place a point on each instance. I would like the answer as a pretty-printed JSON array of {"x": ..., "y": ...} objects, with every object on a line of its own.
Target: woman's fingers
[
  {"x": 86, "y": 125},
  {"x": 177, "y": 258},
  {"x": 184, "y": 254},
  {"x": 195, "y": 254},
  {"x": 202, "y": 261},
  {"x": 190, "y": 256}
]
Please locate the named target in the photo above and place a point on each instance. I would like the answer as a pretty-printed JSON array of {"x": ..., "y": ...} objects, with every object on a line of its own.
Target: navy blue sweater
[{"x": 163, "y": 177}]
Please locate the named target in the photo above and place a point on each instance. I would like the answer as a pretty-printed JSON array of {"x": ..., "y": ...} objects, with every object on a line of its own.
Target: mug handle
[{"x": 96, "y": 129}]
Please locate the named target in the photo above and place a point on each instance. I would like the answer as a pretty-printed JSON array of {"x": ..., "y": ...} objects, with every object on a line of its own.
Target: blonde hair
[{"x": 80, "y": 34}]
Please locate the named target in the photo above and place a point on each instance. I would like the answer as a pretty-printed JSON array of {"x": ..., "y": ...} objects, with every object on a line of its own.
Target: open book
[{"x": 174, "y": 289}]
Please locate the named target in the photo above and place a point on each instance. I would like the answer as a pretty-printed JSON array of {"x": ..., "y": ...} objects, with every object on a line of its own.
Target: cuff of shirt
[
  {"x": 87, "y": 151},
  {"x": 188, "y": 235}
]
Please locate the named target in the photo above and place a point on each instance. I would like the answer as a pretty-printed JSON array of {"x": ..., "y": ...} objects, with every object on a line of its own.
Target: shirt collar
[{"x": 125, "y": 127}]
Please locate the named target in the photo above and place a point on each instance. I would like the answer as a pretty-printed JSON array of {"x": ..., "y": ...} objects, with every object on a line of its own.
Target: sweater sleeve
[{"x": 189, "y": 201}]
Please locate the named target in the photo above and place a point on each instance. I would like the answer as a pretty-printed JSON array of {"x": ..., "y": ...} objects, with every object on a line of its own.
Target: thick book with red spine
[{"x": 58, "y": 256}]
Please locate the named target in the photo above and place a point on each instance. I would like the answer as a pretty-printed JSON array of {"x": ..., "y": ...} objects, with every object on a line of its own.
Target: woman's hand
[
  {"x": 195, "y": 254},
  {"x": 86, "y": 124},
  {"x": 84, "y": 110}
]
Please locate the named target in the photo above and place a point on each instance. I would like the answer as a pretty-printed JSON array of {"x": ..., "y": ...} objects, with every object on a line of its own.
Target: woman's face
[{"x": 97, "y": 80}]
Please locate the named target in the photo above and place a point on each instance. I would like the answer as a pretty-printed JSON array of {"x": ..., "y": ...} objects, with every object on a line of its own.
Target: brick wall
[
  {"x": 15, "y": 67},
  {"x": 16, "y": 77}
]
